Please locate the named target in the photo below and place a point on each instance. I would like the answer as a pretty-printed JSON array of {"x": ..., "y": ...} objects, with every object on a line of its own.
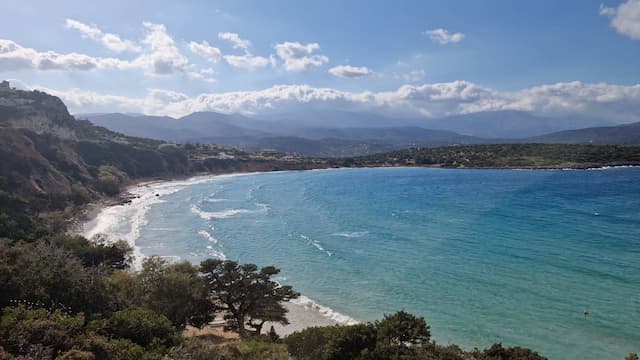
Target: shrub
[
  {"x": 23, "y": 329},
  {"x": 49, "y": 275},
  {"x": 402, "y": 328},
  {"x": 332, "y": 343},
  {"x": 142, "y": 326}
]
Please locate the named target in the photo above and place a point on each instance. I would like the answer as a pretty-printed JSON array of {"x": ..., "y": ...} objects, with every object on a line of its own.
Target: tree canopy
[{"x": 247, "y": 296}]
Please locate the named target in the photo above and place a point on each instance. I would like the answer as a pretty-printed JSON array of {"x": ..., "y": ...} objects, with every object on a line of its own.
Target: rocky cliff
[
  {"x": 46, "y": 151},
  {"x": 36, "y": 111}
]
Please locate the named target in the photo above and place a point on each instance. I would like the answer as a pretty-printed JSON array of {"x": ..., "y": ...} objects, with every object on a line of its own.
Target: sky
[{"x": 400, "y": 58}]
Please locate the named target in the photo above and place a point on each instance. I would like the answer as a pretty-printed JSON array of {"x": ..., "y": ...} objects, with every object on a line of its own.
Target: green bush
[
  {"x": 402, "y": 328},
  {"x": 51, "y": 276},
  {"x": 113, "y": 349},
  {"x": 142, "y": 326},
  {"x": 23, "y": 329},
  {"x": 333, "y": 342},
  {"x": 174, "y": 290}
]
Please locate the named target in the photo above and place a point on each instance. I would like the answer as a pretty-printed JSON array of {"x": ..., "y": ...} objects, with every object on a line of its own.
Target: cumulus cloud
[
  {"x": 157, "y": 54},
  {"x": 110, "y": 41},
  {"x": 625, "y": 18},
  {"x": 299, "y": 57},
  {"x": 161, "y": 57},
  {"x": 246, "y": 61},
  {"x": 238, "y": 43},
  {"x": 350, "y": 72},
  {"x": 205, "y": 50},
  {"x": 616, "y": 102},
  {"x": 16, "y": 57},
  {"x": 443, "y": 36}
]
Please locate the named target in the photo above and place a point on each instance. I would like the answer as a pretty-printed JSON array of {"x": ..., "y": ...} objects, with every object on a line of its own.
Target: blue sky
[{"x": 347, "y": 47}]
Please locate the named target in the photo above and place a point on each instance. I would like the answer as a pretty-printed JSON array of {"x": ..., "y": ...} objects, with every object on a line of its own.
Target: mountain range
[{"x": 341, "y": 133}]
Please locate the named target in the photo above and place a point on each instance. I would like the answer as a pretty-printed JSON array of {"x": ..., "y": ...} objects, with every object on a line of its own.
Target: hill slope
[
  {"x": 507, "y": 156},
  {"x": 628, "y": 134},
  {"x": 50, "y": 158}
]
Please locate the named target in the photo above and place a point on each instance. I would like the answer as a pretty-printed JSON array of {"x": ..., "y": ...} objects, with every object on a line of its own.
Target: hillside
[
  {"x": 185, "y": 129},
  {"x": 282, "y": 135},
  {"x": 505, "y": 156},
  {"x": 47, "y": 154},
  {"x": 344, "y": 134},
  {"x": 65, "y": 297},
  {"x": 510, "y": 124},
  {"x": 628, "y": 134},
  {"x": 49, "y": 158}
]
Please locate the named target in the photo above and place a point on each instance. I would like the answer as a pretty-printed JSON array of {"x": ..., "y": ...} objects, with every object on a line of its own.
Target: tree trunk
[{"x": 241, "y": 329}]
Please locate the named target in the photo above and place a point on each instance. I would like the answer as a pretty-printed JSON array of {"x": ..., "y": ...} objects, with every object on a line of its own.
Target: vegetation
[
  {"x": 397, "y": 336},
  {"x": 537, "y": 156},
  {"x": 65, "y": 297},
  {"x": 248, "y": 297}
]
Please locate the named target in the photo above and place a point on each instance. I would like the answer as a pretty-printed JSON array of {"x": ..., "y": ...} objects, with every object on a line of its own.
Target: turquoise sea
[{"x": 511, "y": 256}]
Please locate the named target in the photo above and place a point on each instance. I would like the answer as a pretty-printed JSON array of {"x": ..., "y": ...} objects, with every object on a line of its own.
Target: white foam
[
  {"x": 110, "y": 220},
  {"x": 215, "y": 253},
  {"x": 215, "y": 200},
  {"x": 316, "y": 244},
  {"x": 602, "y": 168},
  {"x": 351, "y": 234},
  {"x": 208, "y": 215},
  {"x": 613, "y": 167},
  {"x": 325, "y": 311},
  {"x": 218, "y": 254},
  {"x": 208, "y": 236}
]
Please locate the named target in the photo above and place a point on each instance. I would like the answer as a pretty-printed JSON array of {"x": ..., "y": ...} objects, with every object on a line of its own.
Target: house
[{"x": 5, "y": 86}]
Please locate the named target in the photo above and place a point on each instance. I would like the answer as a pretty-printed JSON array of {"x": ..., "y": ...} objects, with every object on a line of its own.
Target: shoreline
[
  {"x": 133, "y": 203},
  {"x": 132, "y": 206}
]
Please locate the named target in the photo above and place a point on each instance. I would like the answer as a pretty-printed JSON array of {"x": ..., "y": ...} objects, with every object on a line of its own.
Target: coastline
[
  {"x": 133, "y": 203},
  {"x": 99, "y": 218}
]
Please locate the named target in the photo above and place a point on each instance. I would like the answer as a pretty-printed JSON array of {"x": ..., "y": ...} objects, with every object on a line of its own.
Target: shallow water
[{"x": 485, "y": 255}]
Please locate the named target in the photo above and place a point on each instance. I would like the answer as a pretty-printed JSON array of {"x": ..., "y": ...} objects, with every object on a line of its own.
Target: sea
[{"x": 546, "y": 259}]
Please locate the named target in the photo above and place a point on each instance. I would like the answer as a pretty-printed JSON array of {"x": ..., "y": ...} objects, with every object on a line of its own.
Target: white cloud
[
  {"x": 351, "y": 72},
  {"x": 625, "y": 18},
  {"x": 161, "y": 57},
  {"x": 85, "y": 30},
  {"x": 110, "y": 41},
  {"x": 235, "y": 39},
  {"x": 16, "y": 57},
  {"x": 443, "y": 36},
  {"x": 616, "y": 102},
  {"x": 298, "y": 57},
  {"x": 247, "y": 61},
  {"x": 205, "y": 50}
]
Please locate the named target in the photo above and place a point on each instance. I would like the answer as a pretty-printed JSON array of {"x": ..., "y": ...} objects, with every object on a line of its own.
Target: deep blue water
[{"x": 485, "y": 255}]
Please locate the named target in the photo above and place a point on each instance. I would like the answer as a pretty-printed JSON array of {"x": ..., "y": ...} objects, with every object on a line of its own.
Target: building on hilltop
[{"x": 5, "y": 86}]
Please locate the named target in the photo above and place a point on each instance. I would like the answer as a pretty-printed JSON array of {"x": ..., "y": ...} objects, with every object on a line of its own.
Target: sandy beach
[{"x": 104, "y": 220}]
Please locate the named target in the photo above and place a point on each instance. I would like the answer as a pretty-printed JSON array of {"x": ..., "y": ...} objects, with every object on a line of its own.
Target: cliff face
[
  {"x": 36, "y": 111},
  {"x": 36, "y": 136},
  {"x": 46, "y": 153}
]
